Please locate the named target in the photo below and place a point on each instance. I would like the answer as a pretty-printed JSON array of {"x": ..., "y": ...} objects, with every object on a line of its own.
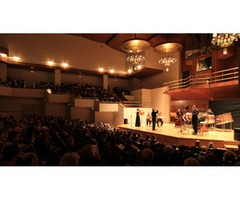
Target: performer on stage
[
  {"x": 154, "y": 116},
  {"x": 210, "y": 118},
  {"x": 159, "y": 119},
  {"x": 209, "y": 111},
  {"x": 179, "y": 118},
  {"x": 138, "y": 122},
  {"x": 195, "y": 112},
  {"x": 149, "y": 119},
  {"x": 179, "y": 112}
]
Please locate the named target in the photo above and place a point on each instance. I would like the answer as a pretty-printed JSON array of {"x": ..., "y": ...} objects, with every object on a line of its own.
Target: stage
[{"x": 169, "y": 134}]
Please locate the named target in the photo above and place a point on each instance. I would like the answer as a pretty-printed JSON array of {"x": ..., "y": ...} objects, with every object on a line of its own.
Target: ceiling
[{"x": 189, "y": 41}]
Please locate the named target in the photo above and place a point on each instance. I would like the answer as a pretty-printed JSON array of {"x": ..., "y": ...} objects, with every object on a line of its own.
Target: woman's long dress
[{"x": 137, "y": 123}]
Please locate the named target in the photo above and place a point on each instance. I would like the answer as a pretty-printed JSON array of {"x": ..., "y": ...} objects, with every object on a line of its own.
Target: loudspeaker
[{"x": 125, "y": 121}]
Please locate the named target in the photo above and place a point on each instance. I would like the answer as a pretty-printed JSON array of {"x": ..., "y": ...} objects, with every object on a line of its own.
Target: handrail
[{"x": 204, "y": 78}]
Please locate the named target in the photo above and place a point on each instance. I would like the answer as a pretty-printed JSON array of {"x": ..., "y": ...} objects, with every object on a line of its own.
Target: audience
[
  {"x": 57, "y": 141},
  {"x": 81, "y": 90}
]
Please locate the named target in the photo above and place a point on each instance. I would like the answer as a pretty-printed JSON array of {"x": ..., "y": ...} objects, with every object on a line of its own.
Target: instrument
[
  {"x": 179, "y": 120},
  {"x": 224, "y": 119}
]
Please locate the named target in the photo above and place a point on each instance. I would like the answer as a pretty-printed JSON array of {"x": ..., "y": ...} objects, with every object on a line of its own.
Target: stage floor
[{"x": 169, "y": 134}]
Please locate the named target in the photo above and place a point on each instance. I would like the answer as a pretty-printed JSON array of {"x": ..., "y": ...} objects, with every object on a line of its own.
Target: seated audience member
[
  {"x": 146, "y": 157},
  {"x": 30, "y": 159},
  {"x": 211, "y": 160},
  {"x": 70, "y": 159},
  {"x": 191, "y": 162},
  {"x": 10, "y": 155},
  {"x": 229, "y": 157},
  {"x": 210, "y": 146}
]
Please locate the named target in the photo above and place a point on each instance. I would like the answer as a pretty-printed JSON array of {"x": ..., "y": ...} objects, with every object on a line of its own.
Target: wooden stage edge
[{"x": 169, "y": 134}]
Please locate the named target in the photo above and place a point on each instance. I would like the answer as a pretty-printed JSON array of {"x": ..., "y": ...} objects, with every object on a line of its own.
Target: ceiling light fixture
[
  {"x": 135, "y": 49},
  {"x": 167, "y": 60},
  {"x": 224, "y": 40},
  {"x": 165, "y": 49}
]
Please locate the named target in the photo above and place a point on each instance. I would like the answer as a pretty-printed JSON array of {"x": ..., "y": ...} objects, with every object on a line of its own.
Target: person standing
[
  {"x": 137, "y": 122},
  {"x": 154, "y": 116},
  {"x": 195, "y": 112}
]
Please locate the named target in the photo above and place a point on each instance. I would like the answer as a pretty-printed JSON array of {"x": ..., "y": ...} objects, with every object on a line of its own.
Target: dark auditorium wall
[
  {"x": 30, "y": 78},
  {"x": 21, "y": 106}
]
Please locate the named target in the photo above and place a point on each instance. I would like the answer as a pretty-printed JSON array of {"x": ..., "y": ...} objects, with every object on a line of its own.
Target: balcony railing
[{"x": 204, "y": 78}]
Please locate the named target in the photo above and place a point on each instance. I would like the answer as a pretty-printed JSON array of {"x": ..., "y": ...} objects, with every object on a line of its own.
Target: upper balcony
[{"x": 222, "y": 84}]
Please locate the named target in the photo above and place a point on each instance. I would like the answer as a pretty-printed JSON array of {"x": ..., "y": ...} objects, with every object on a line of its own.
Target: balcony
[{"x": 223, "y": 84}]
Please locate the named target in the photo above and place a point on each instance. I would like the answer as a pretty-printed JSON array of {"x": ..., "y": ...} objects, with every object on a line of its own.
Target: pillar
[
  {"x": 57, "y": 76},
  {"x": 105, "y": 81}
]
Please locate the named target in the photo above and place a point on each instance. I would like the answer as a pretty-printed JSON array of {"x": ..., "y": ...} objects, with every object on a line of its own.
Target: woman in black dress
[{"x": 138, "y": 123}]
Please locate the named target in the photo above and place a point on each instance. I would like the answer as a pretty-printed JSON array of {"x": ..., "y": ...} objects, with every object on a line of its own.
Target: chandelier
[
  {"x": 135, "y": 58},
  {"x": 167, "y": 60},
  {"x": 167, "y": 48},
  {"x": 224, "y": 39},
  {"x": 135, "y": 49}
]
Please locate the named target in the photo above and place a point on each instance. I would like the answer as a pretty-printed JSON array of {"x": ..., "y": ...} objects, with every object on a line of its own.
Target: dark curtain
[{"x": 227, "y": 106}]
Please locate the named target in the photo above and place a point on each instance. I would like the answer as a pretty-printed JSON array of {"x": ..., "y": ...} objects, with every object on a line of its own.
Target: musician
[
  {"x": 209, "y": 111},
  {"x": 195, "y": 112},
  {"x": 179, "y": 118},
  {"x": 154, "y": 116},
  {"x": 149, "y": 119},
  {"x": 137, "y": 122},
  {"x": 179, "y": 113},
  {"x": 210, "y": 118},
  {"x": 159, "y": 119}
]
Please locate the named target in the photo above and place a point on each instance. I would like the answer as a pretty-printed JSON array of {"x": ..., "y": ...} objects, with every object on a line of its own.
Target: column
[
  {"x": 57, "y": 77},
  {"x": 105, "y": 81}
]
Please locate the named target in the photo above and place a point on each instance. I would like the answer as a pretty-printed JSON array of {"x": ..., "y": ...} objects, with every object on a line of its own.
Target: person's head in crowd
[
  {"x": 191, "y": 162},
  {"x": 174, "y": 146},
  {"x": 197, "y": 143},
  {"x": 229, "y": 156},
  {"x": 204, "y": 148},
  {"x": 10, "y": 154},
  {"x": 146, "y": 144},
  {"x": 168, "y": 150},
  {"x": 30, "y": 159},
  {"x": 210, "y": 146},
  {"x": 3, "y": 134},
  {"x": 146, "y": 156},
  {"x": 70, "y": 159},
  {"x": 14, "y": 137},
  {"x": 211, "y": 160}
]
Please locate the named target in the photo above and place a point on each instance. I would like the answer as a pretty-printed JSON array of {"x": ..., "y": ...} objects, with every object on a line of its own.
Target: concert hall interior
[{"x": 72, "y": 99}]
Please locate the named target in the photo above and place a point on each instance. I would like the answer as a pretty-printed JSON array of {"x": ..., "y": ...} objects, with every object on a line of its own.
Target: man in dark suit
[
  {"x": 154, "y": 116},
  {"x": 195, "y": 112}
]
